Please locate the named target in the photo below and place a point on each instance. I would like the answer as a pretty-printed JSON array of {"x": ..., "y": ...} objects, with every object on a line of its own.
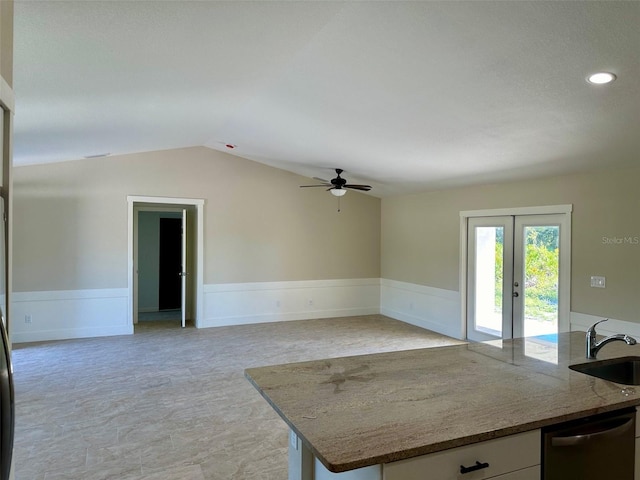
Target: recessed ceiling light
[
  {"x": 601, "y": 78},
  {"x": 98, "y": 155}
]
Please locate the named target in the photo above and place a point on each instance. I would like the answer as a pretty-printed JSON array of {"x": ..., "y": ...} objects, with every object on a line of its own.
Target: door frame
[
  {"x": 198, "y": 203},
  {"x": 564, "y": 289}
]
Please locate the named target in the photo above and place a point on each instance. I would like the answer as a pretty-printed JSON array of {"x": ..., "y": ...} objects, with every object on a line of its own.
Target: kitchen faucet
[{"x": 593, "y": 346}]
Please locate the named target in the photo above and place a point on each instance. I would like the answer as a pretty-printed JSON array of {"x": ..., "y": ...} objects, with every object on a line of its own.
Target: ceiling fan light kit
[{"x": 338, "y": 192}]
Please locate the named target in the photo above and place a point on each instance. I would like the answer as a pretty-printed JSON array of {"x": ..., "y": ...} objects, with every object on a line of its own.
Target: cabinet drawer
[
  {"x": 504, "y": 455},
  {"x": 531, "y": 473}
]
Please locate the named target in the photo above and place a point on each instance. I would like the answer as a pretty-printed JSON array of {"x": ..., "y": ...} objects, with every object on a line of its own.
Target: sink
[{"x": 625, "y": 370}]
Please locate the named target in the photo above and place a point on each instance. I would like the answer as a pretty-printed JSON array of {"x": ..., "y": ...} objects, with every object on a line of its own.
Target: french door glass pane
[
  {"x": 541, "y": 261},
  {"x": 489, "y": 280}
]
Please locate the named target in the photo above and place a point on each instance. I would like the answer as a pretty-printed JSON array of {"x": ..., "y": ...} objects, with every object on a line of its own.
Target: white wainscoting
[
  {"x": 242, "y": 303},
  {"x": 581, "y": 322},
  {"x": 432, "y": 308},
  {"x": 58, "y": 315}
]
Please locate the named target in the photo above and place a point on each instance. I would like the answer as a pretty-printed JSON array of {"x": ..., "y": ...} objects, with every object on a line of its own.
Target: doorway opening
[
  {"x": 160, "y": 266},
  {"x": 165, "y": 261},
  {"x": 516, "y": 279}
]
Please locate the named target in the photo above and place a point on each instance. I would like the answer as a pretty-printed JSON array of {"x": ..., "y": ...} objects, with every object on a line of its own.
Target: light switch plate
[{"x": 598, "y": 282}]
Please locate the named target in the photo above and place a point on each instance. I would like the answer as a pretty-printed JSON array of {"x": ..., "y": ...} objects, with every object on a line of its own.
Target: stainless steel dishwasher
[{"x": 600, "y": 447}]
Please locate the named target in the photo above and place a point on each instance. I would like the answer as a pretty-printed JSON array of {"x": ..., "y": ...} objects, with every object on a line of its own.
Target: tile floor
[{"x": 172, "y": 404}]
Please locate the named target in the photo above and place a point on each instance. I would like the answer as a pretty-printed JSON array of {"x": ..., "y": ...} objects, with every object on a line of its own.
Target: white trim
[
  {"x": 434, "y": 309},
  {"x": 64, "y": 314},
  {"x": 260, "y": 302},
  {"x": 462, "y": 274},
  {"x": 580, "y": 322},
  {"x": 165, "y": 200},
  {"x": 300, "y": 284},
  {"x": 55, "y": 295},
  {"x": 565, "y": 267},
  {"x": 199, "y": 204},
  {"x": 7, "y": 97},
  {"x": 498, "y": 212}
]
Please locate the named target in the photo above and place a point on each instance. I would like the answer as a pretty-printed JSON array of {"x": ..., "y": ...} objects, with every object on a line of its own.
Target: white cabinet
[
  {"x": 374, "y": 472},
  {"x": 304, "y": 466},
  {"x": 516, "y": 457},
  {"x": 531, "y": 473}
]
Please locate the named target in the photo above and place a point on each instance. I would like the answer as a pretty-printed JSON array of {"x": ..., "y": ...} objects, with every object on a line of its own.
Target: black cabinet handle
[{"x": 477, "y": 466}]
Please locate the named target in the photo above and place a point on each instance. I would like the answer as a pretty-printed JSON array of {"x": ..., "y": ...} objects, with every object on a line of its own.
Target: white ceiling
[{"x": 406, "y": 96}]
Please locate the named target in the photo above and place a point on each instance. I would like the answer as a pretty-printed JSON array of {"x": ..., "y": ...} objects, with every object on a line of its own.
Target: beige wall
[
  {"x": 71, "y": 221},
  {"x": 6, "y": 41},
  {"x": 71, "y": 231},
  {"x": 421, "y": 234}
]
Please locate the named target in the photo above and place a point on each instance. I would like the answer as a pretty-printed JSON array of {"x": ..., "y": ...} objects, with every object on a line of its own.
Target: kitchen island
[{"x": 369, "y": 410}]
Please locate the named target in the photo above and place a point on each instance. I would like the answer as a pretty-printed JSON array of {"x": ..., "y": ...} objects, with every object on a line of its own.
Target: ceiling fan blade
[
  {"x": 365, "y": 188},
  {"x": 323, "y": 185}
]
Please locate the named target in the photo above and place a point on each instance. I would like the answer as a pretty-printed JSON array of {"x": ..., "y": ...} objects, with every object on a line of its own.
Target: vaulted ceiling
[{"x": 406, "y": 96}]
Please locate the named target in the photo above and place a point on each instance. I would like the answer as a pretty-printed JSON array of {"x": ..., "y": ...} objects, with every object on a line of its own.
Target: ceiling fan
[{"x": 337, "y": 186}]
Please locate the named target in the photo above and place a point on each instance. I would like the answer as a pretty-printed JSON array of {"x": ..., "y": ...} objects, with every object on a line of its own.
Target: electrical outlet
[
  {"x": 310, "y": 302},
  {"x": 598, "y": 282},
  {"x": 27, "y": 319}
]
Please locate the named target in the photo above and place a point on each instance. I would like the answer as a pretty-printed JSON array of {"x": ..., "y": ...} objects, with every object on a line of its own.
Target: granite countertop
[{"x": 358, "y": 411}]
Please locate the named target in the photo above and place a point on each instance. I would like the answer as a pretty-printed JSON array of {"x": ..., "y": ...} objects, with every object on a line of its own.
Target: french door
[{"x": 516, "y": 269}]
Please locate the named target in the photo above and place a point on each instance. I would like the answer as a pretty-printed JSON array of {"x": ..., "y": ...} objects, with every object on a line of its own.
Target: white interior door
[
  {"x": 183, "y": 272},
  {"x": 517, "y": 276}
]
